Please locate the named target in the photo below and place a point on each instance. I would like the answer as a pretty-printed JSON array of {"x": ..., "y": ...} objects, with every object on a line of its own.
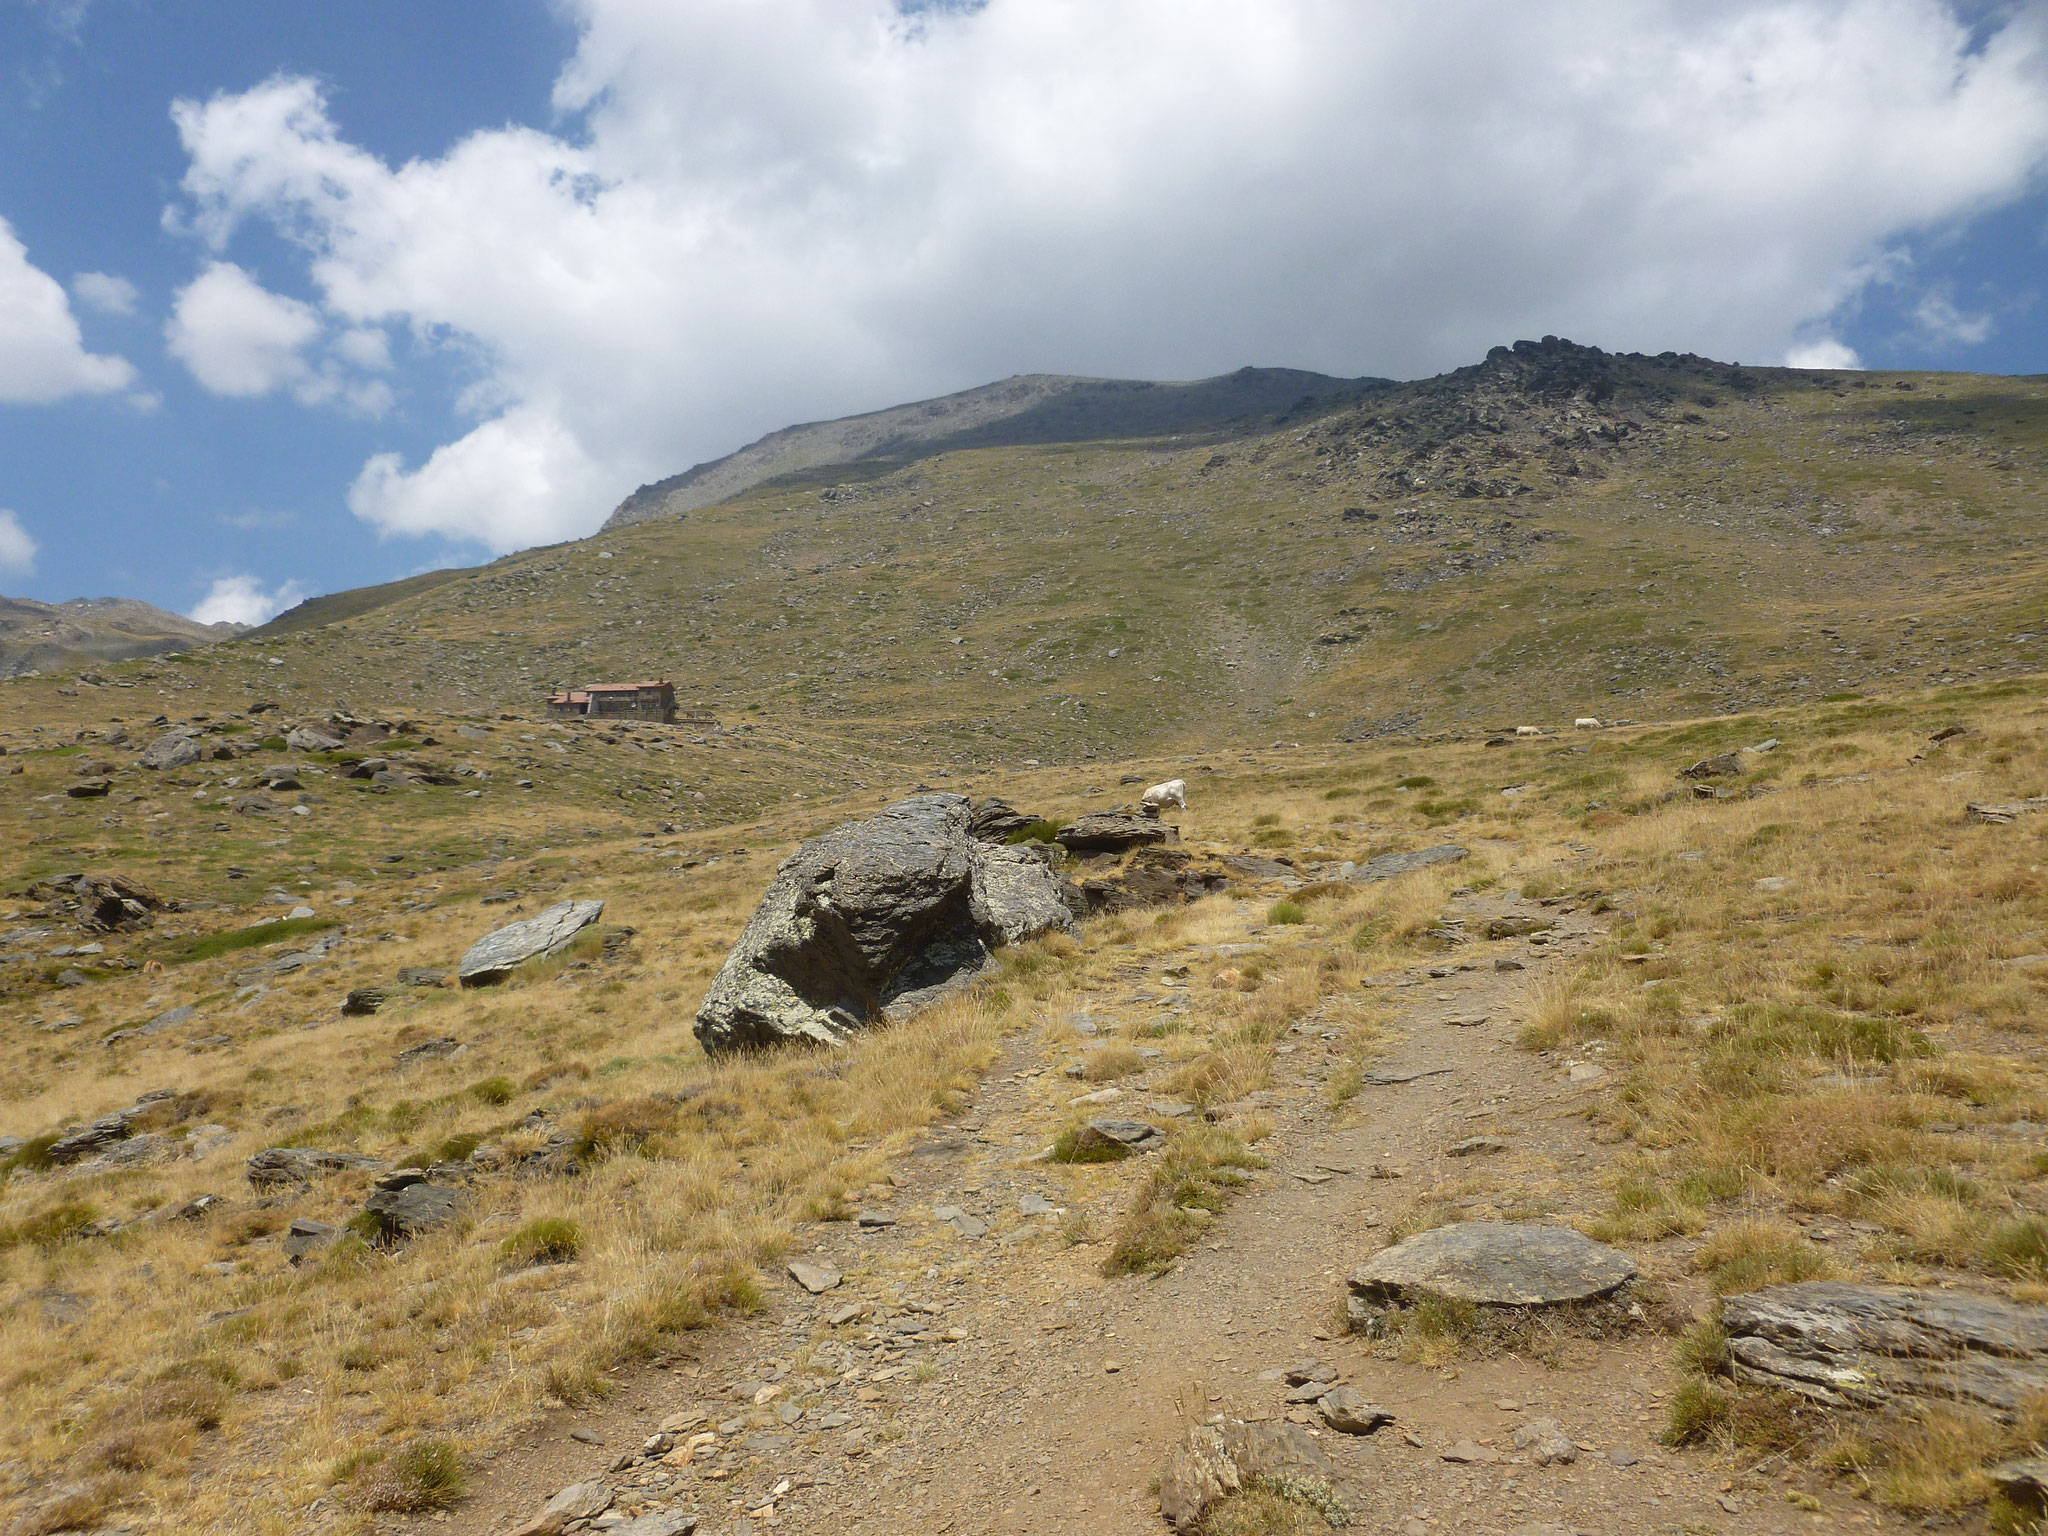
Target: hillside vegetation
[{"x": 1811, "y": 980}]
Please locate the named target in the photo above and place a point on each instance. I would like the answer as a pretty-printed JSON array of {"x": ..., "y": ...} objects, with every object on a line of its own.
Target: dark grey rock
[
  {"x": 91, "y": 1140},
  {"x": 412, "y": 1210},
  {"x": 1494, "y": 1264},
  {"x": 495, "y": 956},
  {"x": 1727, "y": 766},
  {"x": 430, "y": 1050},
  {"x": 1870, "y": 1345},
  {"x": 365, "y": 1000},
  {"x": 1112, "y": 832},
  {"x": 2024, "y": 1481},
  {"x": 1129, "y": 1135},
  {"x": 306, "y": 1236},
  {"x": 300, "y": 1165},
  {"x": 874, "y": 915},
  {"x": 312, "y": 738},
  {"x": 421, "y": 976},
  {"x": 1389, "y": 865},
  {"x": 89, "y": 789},
  {"x": 1517, "y": 926},
  {"x": 993, "y": 820}
]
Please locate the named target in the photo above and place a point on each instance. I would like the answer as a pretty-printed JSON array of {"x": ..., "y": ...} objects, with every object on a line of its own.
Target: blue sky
[{"x": 409, "y": 282}]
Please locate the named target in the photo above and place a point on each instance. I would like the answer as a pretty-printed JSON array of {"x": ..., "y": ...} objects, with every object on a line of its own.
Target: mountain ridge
[
  {"x": 38, "y": 637},
  {"x": 1023, "y": 409}
]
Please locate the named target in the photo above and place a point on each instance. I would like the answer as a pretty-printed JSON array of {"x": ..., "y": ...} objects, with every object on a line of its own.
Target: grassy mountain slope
[
  {"x": 1031, "y": 408},
  {"x": 1550, "y": 533}
]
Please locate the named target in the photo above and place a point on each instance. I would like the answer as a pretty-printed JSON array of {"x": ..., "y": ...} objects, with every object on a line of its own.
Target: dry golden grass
[{"x": 1852, "y": 1044}]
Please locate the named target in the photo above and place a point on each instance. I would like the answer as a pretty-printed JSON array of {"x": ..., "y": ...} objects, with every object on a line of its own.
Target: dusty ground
[{"x": 1042, "y": 1398}]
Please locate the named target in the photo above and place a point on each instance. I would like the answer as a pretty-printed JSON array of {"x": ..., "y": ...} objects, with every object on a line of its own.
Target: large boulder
[
  {"x": 1494, "y": 1264},
  {"x": 312, "y": 738},
  {"x": 875, "y": 915},
  {"x": 497, "y": 955},
  {"x": 1869, "y": 1346},
  {"x": 174, "y": 749}
]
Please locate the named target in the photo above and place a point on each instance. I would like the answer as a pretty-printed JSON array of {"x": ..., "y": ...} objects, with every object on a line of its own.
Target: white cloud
[
  {"x": 236, "y": 336},
  {"x": 42, "y": 354},
  {"x": 767, "y": 211},
  {"x": 1945, "y": 325},
  {"x": 103, "y": 291},
  {"x": 242, "y": 600},
  {"x": 239, "y": 338},
  {"x": 17, "y": 549},
  {"x": 1825, "y": 352}
]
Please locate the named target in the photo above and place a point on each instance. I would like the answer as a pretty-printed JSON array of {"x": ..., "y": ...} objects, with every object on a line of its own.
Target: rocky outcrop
[
  {"x": 277, "y": 1166},
  {"x": 1493, "y": 1264},
  {"x": 497, "y": 955},
  {"x": 103, "y": 903},
  {"x": 994, "y": 820},
  {"x": 1866, "y": 1346},
  {"x": 875, "y": 915},
  {"x": 1151, "y": 877},
  {"x": 2006, "y": 814}
]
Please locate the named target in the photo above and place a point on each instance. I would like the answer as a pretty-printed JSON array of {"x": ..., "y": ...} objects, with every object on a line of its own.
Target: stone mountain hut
[{"x": 640, "y": 701}]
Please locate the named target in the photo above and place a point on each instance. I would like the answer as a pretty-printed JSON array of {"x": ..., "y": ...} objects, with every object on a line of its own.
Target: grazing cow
[
  {"x": 1528, "y": 730},
  {"x": 1586, "y": 723},
  {"x": 1159, "y": 796}
]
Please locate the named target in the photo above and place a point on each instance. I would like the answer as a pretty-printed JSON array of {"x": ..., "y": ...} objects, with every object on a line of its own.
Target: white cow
[
  {"x": 1586, "y": 723},
  {"x": 1159, "y": 796}
]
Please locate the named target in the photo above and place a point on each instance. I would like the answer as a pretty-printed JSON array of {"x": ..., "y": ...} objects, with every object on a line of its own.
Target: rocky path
[{"x": 973, "y": 1372}]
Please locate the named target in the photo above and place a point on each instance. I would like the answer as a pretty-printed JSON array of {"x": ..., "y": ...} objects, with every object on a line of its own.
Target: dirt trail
[{"x": 999, "y": 1384}]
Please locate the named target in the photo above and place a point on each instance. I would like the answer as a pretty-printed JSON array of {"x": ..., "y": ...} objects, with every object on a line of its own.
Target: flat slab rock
[
  {"x": 1867, "y": 1345},
  {"x": 1494, "y": 1264},
  {"x": 1217, "y": 1459},
  {"x": 1389, "y": 865},
  {"x": 495, "y": 956},
  {"x": 1112, "y": 832}
]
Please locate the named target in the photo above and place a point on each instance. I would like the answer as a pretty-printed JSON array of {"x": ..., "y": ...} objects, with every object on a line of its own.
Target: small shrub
[
  {"x": 1072, "y": 1146},
  {"x": 1284, "y": 912},
  {"x": 1040, "y": 831},
  {"x": 425, "y": 1475},
  {"x": 51, "y": 1225},
  {"x": 2019, "y": 1248},
  {"x": 457, "y": 1148},
  {"x": 1107, "y": 1062},
  {"x": 33, "y": 1154},
  {"x": 1699, "y": 1409},
  {"x": 625, "y": 1126},
  {"x": 556, "y": 1072},
  {"x": 495, "y": 1090},
  {"x": 549, "y": 1240}
]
